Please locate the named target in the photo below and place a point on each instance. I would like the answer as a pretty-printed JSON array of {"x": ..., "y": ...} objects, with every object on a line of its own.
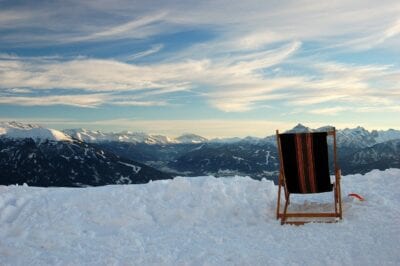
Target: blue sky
[{"x": 215, "y": 68}]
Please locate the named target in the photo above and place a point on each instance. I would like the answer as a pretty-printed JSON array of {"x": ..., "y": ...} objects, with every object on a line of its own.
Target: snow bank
[{"x": 195, "y": 221}]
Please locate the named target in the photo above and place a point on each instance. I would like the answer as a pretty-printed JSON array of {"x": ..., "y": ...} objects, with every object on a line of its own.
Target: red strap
[{"x": 356, "y": 196}]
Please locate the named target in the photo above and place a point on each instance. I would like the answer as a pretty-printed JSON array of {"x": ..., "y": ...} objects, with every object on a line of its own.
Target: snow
[
  {"x": 136, "y": 169},
  {"x": 387, "y": 135},
  {"x": 15, "y": 130},
  {"x": 196, "y": 221}
]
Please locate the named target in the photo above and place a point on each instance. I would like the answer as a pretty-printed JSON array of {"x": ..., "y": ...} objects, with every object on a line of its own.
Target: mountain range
[
  {"x": 92, "y": 136},
  {"x": 45, "y": 157},
  {"x": 80, "y": 157}
]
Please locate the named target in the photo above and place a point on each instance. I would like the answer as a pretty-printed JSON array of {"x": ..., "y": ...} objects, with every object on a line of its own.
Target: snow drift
[{"x": 195, "y": 221}]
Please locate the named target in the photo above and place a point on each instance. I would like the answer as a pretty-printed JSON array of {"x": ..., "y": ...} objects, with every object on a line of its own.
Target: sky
[{"x": 213, "y": 68}]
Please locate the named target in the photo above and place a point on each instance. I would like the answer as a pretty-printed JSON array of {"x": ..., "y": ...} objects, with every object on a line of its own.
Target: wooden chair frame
[{"x": 338, "y": 214}]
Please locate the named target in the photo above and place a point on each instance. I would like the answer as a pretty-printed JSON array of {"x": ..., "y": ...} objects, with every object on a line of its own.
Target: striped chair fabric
[{"x": 305, "y": 162}]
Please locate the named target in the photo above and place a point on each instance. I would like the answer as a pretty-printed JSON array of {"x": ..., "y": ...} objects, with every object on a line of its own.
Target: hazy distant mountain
[
  {"x": 355, "y": 137},
  {"x": 133, "y": 137},
  {"x": 190, "y": 138},
  {"x": 125, "y": 136}
]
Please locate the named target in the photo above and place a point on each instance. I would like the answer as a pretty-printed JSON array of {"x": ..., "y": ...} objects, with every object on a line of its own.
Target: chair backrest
[{"x": 304, "y": 162}]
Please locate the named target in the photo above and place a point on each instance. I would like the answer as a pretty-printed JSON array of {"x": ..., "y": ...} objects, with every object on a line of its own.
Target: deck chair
[{"x": 304, "y": 169}]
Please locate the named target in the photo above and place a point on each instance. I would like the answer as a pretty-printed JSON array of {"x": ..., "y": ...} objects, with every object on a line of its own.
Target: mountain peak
[
  {"x": 190, "y": 138},
  {"x": 299, "y": 128},
  {"x": 17, "y": 130}
]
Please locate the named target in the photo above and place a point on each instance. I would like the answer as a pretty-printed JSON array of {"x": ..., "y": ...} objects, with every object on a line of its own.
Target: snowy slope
[
  {"x": 195, "y": 221},
  {"x": 15, "y": 130}
]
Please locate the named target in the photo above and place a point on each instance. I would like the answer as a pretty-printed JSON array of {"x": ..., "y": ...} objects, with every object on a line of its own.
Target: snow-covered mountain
[
  {"x": 190, "y": 138},
  {"x": 16, "y": 130},
  {"x": 132, "y": 137},
  {"x": 93, "y": 136},
  {"x": 356, "y": 137},
  {"x": 225, "y": 140}
]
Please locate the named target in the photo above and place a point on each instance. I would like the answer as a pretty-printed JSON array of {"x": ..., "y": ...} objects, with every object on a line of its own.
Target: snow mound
[
  {"x": 196, "y": 221},
  {"x": 15, "y": 130}
]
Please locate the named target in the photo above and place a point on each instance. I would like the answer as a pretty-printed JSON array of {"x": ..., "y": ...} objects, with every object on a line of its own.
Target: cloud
[
  {"x": 15, "y": 18},
  {"x": 253, "y": 24},
  {"x": 231, "y": 69},
  {"x": 138, "y": 103},
  {"x": 87, "y": 101},
  {"x": 154, "y": 49},
  {"x": 224, "y": 77},
  {"x": 328, "y": 111},
  {"x": 87, "y": 74},
  {"x": 236, "y": 82},
  {"x": 131, "y": 29},
  {"x": 393, "y": 30}
]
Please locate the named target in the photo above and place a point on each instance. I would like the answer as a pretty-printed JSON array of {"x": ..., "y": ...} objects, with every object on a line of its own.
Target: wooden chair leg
[
  {"x": 279, "y": 199},
  {"x": 338, "y": 191},
  {"x": 340, "y": 202},
  {"x": 335, "y": 195},
  {"x": 283, "y": 219},
  {"x": 287, "y": 195}
]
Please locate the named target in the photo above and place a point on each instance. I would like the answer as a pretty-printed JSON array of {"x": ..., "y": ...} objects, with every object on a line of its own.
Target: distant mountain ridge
[
  {"x": 359, "y": 151},
  {"x": 128, "y": 136},
  {"x": 358, "y": 136}
]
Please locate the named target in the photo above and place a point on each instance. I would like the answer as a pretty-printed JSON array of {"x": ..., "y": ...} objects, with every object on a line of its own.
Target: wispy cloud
[
  {"x": 86, "y": 74},
  {"x": 224, "y": 77},
  {"x": 87, "y": 101},
  {"x": 91, "y": 100},
  {"x": 252, "y": 23},
  {"x": 235, "y": 83},
  {"x": 10, "y": 19},
  {"x": 154, "y": 49},
  {"x": 328, "y": 111},
  {"x": 131, "y": 29}
]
